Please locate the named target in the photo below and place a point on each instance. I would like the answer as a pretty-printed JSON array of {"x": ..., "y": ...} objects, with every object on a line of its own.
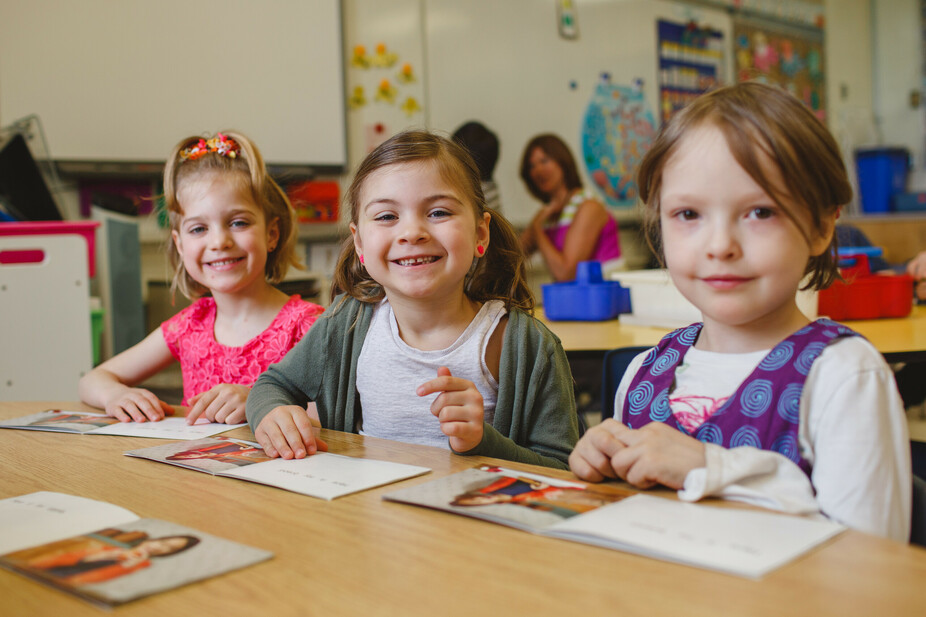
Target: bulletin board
[
  {"x": 123, "y": 81},
  {"x": 789, "y": 57},
  {"x": 691, "y": 62}
]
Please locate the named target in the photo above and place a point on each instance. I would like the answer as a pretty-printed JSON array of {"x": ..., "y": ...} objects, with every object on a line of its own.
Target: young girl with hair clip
[
  {"x": 742, "y": 190},
  {"x": 432, "y": 341},
  {"x": 232, "y": 237}
]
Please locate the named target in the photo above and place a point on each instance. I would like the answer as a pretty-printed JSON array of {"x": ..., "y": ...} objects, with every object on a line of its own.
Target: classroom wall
[
  {"x": 872, "y": 62},
  {"x": 505, "y": 64},
  {"x": 897, "y": 70},
  {"x": 495, "y": 73}
]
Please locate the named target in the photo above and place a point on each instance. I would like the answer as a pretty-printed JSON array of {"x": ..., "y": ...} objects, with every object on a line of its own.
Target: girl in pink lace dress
[{"x": 232, "y": 237}]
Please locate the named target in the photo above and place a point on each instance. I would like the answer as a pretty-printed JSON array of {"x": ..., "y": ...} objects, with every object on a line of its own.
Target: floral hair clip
[{"x": 220, "y": 144}]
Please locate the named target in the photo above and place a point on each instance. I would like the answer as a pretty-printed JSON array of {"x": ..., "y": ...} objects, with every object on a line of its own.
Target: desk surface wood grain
[{"x": 359, "y": 555}]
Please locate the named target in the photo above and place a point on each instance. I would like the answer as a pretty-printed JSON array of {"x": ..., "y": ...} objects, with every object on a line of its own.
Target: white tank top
[{"x": 389, "y": 371}]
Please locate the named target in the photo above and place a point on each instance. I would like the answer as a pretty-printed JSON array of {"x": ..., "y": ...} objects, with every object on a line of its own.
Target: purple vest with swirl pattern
[{"x": 764, "y": 410}]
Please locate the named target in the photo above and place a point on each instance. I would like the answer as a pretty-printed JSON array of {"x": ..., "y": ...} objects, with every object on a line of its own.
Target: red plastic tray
[{"x": 863, "y": 295}]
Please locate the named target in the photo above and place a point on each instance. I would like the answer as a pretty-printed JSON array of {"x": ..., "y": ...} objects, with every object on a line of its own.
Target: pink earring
[
  {"x": 481, "y": 250},
  {"x": 361, "y": 258}
]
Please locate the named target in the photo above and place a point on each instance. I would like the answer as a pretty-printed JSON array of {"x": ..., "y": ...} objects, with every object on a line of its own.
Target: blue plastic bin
[
  {"x": 882, "y": 173},
  {"x": 588, "y": 298}
]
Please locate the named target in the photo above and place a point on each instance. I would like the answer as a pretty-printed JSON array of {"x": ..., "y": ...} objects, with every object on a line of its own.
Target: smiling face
[
  {"x": 417, "y": 233},
  {"x": 223, "y": 237},
  {"x": 545, "y": 172},
  {"x": 730, "y": 249}
]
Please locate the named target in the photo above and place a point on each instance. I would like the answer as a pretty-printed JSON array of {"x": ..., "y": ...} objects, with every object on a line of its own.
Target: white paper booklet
[
  {"x": 732, "y": 540},
  {"x": 87, "y": 423},
  {"x": 106, "y": 554},
  {"x": 321, "y": 475}
]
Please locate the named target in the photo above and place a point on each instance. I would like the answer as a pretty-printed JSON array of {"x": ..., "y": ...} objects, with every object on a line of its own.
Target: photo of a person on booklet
[
  {"x": 564, "y": 501},
  {"x": 100, "y": 556},
  {"x": 232, "y": 452}
]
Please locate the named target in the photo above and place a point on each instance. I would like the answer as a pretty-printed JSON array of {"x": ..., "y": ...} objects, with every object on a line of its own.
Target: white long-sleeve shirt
[{"x": 852, "y": 431}]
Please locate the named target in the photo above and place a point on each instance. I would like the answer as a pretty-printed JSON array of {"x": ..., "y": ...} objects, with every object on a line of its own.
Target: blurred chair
[
  {"x": 614, "y": 366},
  {"x": 918, "y": 526}
]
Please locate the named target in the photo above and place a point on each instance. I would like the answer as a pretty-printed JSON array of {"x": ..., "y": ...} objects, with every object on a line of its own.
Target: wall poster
[
  {"x": 789, "y": 57},
  {"x": 690, "y": 63}
]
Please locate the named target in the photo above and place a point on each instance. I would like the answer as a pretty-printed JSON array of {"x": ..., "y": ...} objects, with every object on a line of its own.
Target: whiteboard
[
  {"x": 505, "y": 64},
  {"x": 124, "y": 80}
]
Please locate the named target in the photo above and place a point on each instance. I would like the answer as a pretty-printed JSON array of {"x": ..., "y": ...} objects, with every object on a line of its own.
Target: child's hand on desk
[
  {"x": 591, "y": 458},
  {"x": 139, "y": 405},
  {"x": 459, "y": 407},
  {"x": 654, "y": 454},
  {"x": 223, "y": 403},
  {"x": 288, "y": 432}
]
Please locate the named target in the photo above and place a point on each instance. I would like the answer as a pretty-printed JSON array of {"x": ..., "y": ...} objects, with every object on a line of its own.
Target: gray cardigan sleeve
[
  {"x": 322, "y": 367},
  {"x": 294, "y": 380},
  {"x": 535, "y": 416}
]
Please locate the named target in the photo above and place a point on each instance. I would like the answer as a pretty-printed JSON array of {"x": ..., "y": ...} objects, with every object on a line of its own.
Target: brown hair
[
  {"x": 498, "y": 275},
  {"x": 248, "y": 166},
  {"x": 556, "y": 149},
  {"x": 755, "y": 120}
]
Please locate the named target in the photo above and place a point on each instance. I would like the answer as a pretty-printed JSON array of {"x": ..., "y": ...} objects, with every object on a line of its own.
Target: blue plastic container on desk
[
  {"x": 882, "y": 174},
  {"x": 588, "y": 298}
]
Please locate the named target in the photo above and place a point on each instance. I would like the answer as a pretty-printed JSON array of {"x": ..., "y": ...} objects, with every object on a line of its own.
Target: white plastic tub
[{"x": 655, "y": 301}]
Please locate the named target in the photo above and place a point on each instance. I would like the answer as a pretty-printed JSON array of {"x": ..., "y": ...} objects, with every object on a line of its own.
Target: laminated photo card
[{"x": 105, "y": 554}]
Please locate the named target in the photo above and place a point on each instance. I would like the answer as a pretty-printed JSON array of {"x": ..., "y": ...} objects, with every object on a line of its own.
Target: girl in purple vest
[{"x": 757, "y": 403}]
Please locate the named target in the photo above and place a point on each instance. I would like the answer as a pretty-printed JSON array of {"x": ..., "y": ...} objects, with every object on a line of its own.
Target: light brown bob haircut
[
  {"x": 249, "y": 170},
  {"x": 497, "y": 275},
  {"x": 556, "y": 149},
  {"x": 759, "y": 121}
]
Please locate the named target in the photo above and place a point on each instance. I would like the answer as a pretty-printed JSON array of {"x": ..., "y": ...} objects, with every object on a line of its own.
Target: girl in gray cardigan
[{"x": 429, "y": 338}]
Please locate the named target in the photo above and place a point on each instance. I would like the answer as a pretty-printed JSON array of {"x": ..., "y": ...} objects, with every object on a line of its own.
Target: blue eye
[
  {"x": 440, "y": 213},
  {"x": 196, "y": 230},
  {"x": 385, "y": 218}
]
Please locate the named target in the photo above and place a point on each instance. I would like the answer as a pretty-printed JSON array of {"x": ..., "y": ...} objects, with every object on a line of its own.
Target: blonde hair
[
  {"x": 498, "y": 275},
  {"x": 249, "y": 169},
  {"x": 757, "y": 119}
]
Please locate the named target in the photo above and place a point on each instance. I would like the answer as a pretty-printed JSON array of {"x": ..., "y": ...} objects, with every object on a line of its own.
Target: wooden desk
[
  {"x": 900, "y": 340},
  {"x": 359, "y": 555}
]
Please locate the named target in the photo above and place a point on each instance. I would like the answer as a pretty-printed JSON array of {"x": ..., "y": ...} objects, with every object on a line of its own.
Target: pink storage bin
[{"x": 87, "y": 229}]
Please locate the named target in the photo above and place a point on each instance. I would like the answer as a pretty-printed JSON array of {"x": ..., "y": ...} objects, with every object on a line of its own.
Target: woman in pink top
[
  {"x": 573, "y": 225},
  {"x": 232, "y": 237}
]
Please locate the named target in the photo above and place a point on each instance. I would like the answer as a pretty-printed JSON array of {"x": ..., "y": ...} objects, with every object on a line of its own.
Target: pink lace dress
[{"x": 205, "y": 363}]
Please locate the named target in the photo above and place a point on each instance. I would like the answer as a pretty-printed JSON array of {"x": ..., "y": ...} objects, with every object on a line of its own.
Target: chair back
[
  {"x": 614, "y": 366},
  {"x": 918, "y": 520}
]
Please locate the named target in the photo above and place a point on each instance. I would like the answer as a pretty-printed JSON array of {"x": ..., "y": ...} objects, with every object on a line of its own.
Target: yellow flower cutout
[
  {"x": 360, "y": 59},
  {"x": 386, "y": 92},
  {"x": 383, "y": 57},
  {"x": 357, "y": 98},
  {"x": 406, "y": 74},
  {"x": 411, "y": 106}
]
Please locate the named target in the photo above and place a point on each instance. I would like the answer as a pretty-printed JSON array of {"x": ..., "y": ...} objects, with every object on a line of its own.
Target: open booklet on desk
[
  {"x": 322, "y": 475},
  {"x": 87, "y": 423},
  {"x": 732, "y": 540},
  {"x": 104, "y": 553}
]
